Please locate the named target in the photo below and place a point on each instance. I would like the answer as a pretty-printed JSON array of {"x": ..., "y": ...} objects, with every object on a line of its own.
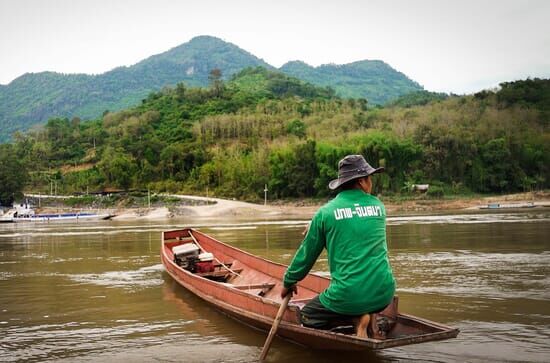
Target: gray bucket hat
[{"x": 352, "y": 167}]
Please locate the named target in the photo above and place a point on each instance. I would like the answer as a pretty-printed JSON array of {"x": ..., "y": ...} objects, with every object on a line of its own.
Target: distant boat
[
  {"x": 490, "y": 206},
  {"x": 7, "y": 217},
  {"x": 25, "y": 213},
  {"x": 505, "y": 206}
]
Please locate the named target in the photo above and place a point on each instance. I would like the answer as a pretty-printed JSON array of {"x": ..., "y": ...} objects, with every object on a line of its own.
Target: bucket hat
[{"x": 352, "y": 167}]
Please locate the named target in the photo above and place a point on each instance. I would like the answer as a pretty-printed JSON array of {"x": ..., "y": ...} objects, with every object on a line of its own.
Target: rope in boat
[{"x": 221, "y": 263}]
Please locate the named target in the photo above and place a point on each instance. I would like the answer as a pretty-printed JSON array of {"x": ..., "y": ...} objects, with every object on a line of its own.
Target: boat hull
[
  {"x": 61, "y": 217},
  {"x": 259, "y": 310}
]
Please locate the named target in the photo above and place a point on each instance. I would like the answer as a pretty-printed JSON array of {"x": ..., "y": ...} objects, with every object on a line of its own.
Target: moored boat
[
  {"x": 61, "y": 217},
  {"x": 508, "y": 206},
  {"x": 25, "y": 213},
  {"x": 7, "y": 217},
  {"x": 248, "y": 288}
]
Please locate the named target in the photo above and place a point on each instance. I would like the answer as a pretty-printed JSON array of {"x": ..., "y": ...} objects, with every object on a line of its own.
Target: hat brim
[{"x": 336, "y": 183}]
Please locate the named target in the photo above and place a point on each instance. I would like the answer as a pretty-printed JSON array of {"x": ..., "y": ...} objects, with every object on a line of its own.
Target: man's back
[{"x": 354, "y": 225}]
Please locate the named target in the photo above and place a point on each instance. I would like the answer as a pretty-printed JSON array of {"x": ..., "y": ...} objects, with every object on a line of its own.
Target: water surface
[{"x": 96, "y": 292}]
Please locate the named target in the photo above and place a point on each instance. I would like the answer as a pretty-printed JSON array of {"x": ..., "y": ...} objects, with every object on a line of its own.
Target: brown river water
[{"x": 96, "y": 291}]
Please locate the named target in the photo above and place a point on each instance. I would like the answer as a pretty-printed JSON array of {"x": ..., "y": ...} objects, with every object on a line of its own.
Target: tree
[
  {"x": 399, "y": 157},
  {"x": 297, "y": 128},
  {"x": 13, "y": 175},
  {"x": 215, "y": 78},
  {"x": 117, "y": 168},
  {"x": 294, "y": 171},
  {"x": 499, "y": 166}
]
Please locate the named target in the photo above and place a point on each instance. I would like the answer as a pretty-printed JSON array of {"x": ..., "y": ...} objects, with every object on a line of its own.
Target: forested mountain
[
  {"x": 33, "y": 98},
  {"x": 263, "y": 127},
  {"x": 370, "y": 79}
]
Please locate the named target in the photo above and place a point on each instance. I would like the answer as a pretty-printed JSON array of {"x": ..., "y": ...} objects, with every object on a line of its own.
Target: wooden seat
[
  {"x": 218, "y": 273},
  {"x": 263, "y": 288}
]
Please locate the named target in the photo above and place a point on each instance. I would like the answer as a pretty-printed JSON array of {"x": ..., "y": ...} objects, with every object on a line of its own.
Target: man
[{"x": 352, "y": 228}]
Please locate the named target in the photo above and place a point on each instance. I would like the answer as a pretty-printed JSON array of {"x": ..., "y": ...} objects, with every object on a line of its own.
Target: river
[{"x": 96, "y": 291}]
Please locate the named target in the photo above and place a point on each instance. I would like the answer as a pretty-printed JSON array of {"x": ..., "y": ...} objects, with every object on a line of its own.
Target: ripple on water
[
  {"x": 6, "y": 275},
  {"x": 467, "y": 273},
  {"x": 229, "y": 228},
  {"x": 53, "y": 341},
  {"x": 470, "y": 218},
  {"x": 478, "y": 340},
  {"x": 142, "y": 277}
]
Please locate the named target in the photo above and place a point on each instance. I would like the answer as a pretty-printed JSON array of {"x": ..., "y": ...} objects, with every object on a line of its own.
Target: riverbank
[
  {"x": 505, "y": 201},
  {"x": 196, "y": 206}
]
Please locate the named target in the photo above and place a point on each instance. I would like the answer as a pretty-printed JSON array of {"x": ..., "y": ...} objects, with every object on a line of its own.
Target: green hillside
[
  {"x": 33, "y": 98},
  {"x": 370, "y": 79},
  {"x": 418, "y": 98},
  {"x": 263, "y": 127}
]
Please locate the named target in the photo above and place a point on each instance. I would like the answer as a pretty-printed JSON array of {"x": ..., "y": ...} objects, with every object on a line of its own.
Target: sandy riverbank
[
  {"x": 214, "y": 207},
  {"x": 217, "y": 207}
]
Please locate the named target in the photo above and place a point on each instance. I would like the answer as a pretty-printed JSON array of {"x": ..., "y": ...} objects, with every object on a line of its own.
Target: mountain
[
  {"x": 33, "y": 98},
  {"x": 370, "y": 79}
]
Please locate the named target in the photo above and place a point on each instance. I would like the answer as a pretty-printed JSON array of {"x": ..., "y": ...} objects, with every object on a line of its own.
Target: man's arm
[{"x": 307, "y": 253}]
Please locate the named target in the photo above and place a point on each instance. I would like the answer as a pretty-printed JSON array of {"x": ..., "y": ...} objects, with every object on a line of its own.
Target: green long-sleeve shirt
[{"x": 352, "y": 227}]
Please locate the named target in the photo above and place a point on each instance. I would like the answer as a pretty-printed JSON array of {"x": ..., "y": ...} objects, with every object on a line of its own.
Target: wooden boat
[
  {"x": 55, "y": 217},
  {"x": 508, "y": 206},
  {"x": 25, "y": 213},
  {"x": 248, "y": 288}
]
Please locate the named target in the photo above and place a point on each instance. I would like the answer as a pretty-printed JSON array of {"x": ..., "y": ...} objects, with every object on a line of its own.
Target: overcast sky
[{"x": 458, "y": 46}]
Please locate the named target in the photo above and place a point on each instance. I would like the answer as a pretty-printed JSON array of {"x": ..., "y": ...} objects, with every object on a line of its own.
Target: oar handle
[{"x": 275, "y": 325}]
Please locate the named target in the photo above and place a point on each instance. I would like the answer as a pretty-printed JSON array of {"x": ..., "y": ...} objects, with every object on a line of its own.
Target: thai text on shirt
[{"x": 358, "y": 211}]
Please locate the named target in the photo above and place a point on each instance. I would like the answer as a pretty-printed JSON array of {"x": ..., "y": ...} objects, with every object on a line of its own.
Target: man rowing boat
[{"x": 352, "y": 228}]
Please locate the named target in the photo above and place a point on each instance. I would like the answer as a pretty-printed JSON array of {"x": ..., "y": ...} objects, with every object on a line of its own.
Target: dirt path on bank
[
  {"x": 206, "y": 207},
  {"x": 217, "y": 207}
]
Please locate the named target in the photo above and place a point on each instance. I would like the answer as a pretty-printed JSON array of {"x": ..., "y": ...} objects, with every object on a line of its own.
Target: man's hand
[{"x": 289, "y": 290}]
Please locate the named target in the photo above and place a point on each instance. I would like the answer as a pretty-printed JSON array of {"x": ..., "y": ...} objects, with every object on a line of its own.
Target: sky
[{"x": 459, "y": 46}]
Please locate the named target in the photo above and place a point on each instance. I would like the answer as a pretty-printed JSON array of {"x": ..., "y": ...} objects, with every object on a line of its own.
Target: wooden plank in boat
[{"x": 220, "y": 273}]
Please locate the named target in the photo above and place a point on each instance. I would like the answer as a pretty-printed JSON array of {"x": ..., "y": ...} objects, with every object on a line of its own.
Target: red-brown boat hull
[{"x": 259, "y": 311}]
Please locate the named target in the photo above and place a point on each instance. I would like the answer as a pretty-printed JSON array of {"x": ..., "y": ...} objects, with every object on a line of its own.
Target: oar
[{"x": 275, "y": 325}]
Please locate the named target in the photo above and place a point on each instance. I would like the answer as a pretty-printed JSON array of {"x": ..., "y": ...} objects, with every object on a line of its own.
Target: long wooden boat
[
  {"x": 248, "y": 288},
  {"x": 508, "y": 206},
  {"x": 25, "y": 213},
  {"x": 58, "y": 217}
]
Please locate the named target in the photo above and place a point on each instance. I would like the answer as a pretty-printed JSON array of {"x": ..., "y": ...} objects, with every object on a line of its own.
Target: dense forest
[
  {"x": 263, "y": 127},
  {"x": 34, "y": 98}
]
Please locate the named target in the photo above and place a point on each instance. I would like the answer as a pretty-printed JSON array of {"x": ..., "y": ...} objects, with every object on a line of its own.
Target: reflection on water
[{"x": 95, "y": 291}]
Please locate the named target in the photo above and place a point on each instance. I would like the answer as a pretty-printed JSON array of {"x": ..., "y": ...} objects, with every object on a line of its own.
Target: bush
[
  {"x": 435, "y": 191},
  {"x": 80, "y": 201}
]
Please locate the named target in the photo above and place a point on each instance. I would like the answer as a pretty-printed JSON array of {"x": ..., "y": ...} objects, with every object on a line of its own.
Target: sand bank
[{"x": 217, "y": 207}]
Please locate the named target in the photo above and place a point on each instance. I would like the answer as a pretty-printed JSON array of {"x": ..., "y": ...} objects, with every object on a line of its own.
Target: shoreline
[{"x": 206, "y": 207}]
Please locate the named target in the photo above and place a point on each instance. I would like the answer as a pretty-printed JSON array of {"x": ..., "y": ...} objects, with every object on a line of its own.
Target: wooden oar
[{"x": 275, "y": 325}]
